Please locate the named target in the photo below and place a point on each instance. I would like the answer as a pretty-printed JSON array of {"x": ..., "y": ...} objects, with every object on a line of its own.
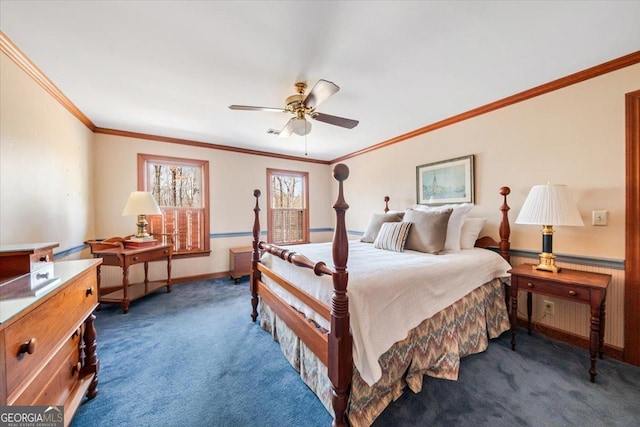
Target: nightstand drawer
[{"x": 573, "y": 293}]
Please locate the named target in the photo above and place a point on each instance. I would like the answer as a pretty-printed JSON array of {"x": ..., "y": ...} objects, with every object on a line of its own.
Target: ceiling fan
[{"x": 302, "y": 106}]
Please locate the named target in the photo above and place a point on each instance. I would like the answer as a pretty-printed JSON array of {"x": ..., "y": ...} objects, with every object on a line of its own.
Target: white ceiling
[{"x": 172, "y": 68}]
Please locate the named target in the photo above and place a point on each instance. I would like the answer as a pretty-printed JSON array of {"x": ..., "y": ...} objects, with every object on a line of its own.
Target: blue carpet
[{"x": 190, "y": 358}]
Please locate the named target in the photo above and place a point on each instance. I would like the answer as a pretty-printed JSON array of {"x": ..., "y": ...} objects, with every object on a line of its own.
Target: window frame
[
  {"x": 305, "y": 189},
  {"x": 143, "y": 159}
]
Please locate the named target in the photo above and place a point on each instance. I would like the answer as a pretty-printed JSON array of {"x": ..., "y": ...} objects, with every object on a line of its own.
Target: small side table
[
  {"x": 240, "y": 262},
  {"x": 115, "y": 252},
  {"x": 573, "y": 285}
]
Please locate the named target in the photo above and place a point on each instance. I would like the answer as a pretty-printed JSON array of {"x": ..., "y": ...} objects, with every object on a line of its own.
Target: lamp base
[
  {"x": 547, "y": 263},
  {"x": 142, "y": 227}
]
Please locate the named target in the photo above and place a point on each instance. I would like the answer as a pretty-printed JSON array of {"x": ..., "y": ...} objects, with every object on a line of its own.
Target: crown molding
[
  {"x": 16, "y": 55},
  {"x": 200, "y": 144},
  {"x": 589, "y": 73}
]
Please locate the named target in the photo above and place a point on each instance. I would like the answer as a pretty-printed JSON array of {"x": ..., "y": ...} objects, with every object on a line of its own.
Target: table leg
[
  {"x": 514, "y": 313},
  {"x": 125, "y": 289},
  {"x": 529, "y": 307},
  {"x": 594, "y": 340},
  {"x": 602, "y": 323},
  {"x": 146, "y": 278},
  {"x": 169, "y": 274}
]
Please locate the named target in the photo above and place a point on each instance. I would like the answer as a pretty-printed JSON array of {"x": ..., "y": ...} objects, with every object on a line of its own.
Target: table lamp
[
  {"x": 549, "y": 205},
  {"x": 141, "y": 203}
]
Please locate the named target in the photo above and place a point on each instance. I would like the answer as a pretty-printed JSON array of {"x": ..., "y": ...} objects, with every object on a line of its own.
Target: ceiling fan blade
[
  {"x": 335, "y": 120},
  {"x": 322, "y": 91},
  {"x": 250, "y": 108},
  {"x": 287, "y": 129}
]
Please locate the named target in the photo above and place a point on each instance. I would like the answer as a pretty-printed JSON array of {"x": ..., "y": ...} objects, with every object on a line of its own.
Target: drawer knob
[
  {"x": 89, "y": 291},
  {"x": 573, "y": 293},
  {"x": 27, "y": 347},
  {"x": 44, "y": 258},
  {"x": 42, "y": 275},
  {"x": 135, "y": 258},
  {"x": 529, "y": 284}
]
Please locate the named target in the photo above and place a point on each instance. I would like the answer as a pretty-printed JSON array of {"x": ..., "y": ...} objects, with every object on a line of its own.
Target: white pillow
[
  {"x": 399, "y": 213},
  {"x": 392, "y": 236},
  {"x": 470, "y": 232},
  {"x": 454, "y": 228}
]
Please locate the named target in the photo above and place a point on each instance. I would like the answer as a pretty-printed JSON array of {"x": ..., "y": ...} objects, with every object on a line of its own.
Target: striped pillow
[{"x": 392, "y": 236}]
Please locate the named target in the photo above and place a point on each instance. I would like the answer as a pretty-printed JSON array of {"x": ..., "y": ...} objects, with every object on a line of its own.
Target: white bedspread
[{"x": 389, "y": 293}]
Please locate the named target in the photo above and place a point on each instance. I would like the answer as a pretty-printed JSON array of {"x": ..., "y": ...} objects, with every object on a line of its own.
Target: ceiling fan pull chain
[{"x": 305, "y": 145}]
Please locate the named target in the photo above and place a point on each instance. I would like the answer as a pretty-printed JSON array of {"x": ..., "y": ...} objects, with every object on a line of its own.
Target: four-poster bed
[{"x": 357, "y": 358}]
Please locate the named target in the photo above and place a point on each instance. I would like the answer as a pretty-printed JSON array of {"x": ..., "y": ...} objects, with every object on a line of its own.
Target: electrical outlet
[
  {"x": 549, "y": 307},
  {"x": 599, "y": 218}
]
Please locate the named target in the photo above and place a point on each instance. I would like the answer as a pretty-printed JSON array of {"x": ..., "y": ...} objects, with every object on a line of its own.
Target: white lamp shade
[
  {"x": 300, "y": 126},
  {"x": 141, "y": 203},
  {"x": 549, "y": 205}
]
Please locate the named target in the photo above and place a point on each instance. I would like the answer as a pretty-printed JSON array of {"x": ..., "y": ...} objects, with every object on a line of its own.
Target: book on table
[{"x": 135, "y": 242}]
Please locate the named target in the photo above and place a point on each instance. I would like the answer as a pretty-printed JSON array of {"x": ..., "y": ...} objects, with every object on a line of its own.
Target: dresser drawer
[
  {"x": 55, "y": 382},
  {"x": 572, "y": 293},
  {"x": 49, "y": 327}
]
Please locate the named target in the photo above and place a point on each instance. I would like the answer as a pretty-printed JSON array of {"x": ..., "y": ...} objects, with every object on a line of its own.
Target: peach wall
[
  {"x": 46, "y": 173},
  {"x": 232, "y": 179},
  {"x": 573, "y": 136}
]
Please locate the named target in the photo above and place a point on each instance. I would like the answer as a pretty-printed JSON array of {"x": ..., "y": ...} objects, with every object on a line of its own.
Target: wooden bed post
[
  {"x": 340, "y": 365},
  {"x": 386, "y": 204},
  {"x": 256, "y": 276},
  {"x": 505, "y": 230}
]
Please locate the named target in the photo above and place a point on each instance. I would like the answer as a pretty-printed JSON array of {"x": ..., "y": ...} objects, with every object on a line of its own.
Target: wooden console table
[
  {"x": 573, "y": 285},
  {"x": 115, "y": 252}
]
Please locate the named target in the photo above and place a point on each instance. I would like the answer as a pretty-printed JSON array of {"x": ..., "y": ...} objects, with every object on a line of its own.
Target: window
[
  {"x": 181, "y": 188},
  {"x": 288, "y": 206}
]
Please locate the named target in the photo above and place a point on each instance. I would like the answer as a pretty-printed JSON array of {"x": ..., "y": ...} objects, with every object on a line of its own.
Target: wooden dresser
[{"x": 47, "y": 336}]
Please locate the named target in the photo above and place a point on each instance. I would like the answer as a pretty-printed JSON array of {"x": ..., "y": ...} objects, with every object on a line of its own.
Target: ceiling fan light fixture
[
  {"x": 304, "y": 106},
  {"x": 300, "y": 126}
]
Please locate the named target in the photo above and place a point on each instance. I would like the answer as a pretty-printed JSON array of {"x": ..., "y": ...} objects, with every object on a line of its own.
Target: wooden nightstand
[
  {"x": 574, "y": 285},
  {"x": 240, "y": 262}
]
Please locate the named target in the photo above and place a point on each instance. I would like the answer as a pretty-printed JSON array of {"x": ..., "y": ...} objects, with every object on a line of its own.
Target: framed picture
[{"x": 448, "y": 181}]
